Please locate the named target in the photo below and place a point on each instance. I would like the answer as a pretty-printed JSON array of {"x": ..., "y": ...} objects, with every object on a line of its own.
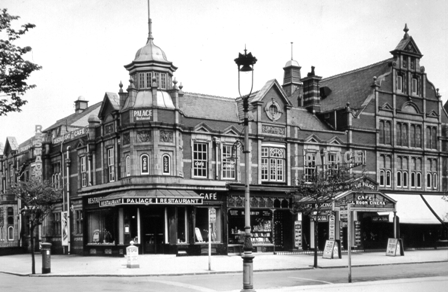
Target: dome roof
[
  {"x": 292, "y": 63},
  {"x": 150, "y": 52},
  {"x": 93, "y": 119},
  {"x": 82, "y": 98}
]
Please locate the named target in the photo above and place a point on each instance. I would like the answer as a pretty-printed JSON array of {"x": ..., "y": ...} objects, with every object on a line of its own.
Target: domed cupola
[
  {"x": 291, "y": 76},
  {"x": 151, "y": 64}
]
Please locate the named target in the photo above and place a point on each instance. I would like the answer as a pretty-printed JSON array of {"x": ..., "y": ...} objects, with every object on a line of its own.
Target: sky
[{"x": 83, "y": 45}]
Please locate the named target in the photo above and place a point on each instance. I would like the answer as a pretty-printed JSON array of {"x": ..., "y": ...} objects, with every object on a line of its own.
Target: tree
[
  {"x": 14, "y": 70},
  {"x": 315, "y": 192},
  {"x": 37, "y": 199}
]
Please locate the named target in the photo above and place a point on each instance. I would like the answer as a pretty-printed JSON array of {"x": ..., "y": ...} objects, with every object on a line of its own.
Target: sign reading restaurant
[{"x": 150, "y": 201}]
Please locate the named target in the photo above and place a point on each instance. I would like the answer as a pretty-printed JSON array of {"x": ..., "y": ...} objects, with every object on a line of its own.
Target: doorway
[{"x": 153, "y": 230}]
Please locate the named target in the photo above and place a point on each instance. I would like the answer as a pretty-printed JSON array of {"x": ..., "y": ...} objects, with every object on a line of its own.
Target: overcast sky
[{"x": 83, "y": 45}]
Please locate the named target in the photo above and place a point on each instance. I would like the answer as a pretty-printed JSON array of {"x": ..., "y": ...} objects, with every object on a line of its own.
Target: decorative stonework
[
  {"x": 166, "y": 136},
  {"x": 109, "y": 128},
  {"x": 259, "y": 202},
  {"x": 143, "y": 136},
  {"x": 273, "y": 110},
  {"x": 268, "y": 129},
  {"x": 126, "y": 139}
]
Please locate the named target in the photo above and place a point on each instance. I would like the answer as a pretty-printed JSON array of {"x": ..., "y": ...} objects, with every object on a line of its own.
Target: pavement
[{"x": 164, "y": 265}]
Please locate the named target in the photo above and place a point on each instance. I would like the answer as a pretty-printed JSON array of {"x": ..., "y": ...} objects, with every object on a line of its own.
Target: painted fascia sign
[
  {"x": 142, "y": 115},
  {"x": 356, "y": 156}
]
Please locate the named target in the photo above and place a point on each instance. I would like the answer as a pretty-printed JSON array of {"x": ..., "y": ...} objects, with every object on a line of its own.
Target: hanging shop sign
[
  {"x": 142, "y": 115},
  {"x": 37, "y": 170},
  {"x": 70, "y": 135},
  {"x": 150, "y": 201}
]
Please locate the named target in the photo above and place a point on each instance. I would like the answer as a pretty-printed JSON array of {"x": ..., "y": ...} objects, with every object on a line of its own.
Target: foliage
[
  {"x": 14, "y": 70},
  {"x": 315, "y": 192},
  {"x": 37, "y": 199}
]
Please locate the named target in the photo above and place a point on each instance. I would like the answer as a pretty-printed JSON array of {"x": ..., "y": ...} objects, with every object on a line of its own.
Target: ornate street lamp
[{"x": 245, "y": 65}]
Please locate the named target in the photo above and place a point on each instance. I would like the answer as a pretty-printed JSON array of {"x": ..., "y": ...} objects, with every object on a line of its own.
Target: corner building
[{"x": 147, "y": 164}]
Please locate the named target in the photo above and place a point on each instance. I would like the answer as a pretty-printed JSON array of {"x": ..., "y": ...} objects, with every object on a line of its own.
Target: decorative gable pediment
[
  {"x": 433, "y": 114},
  {"x": 203, "y": 128},
  {"x": 313, "y": 139},
  {"x": 335, "y": 141},
  {"x": 386, "y": 106},
  {"x": 232, "y": 131},
  {"x": 411, "y": 108},
  {"x": 109, "y": 104}
]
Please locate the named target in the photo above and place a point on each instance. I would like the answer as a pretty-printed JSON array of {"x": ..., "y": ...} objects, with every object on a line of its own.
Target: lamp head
[{"x": 245, "y": 62}]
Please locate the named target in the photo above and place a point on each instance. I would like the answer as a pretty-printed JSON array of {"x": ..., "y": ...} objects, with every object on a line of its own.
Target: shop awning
[
  {"x": 152, "y": 197},
  {"x": 411, "y": 209}
]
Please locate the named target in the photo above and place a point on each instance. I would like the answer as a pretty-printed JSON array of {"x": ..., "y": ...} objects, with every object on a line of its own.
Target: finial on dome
[
  {"x": 150, "y": 37},
  {"x": 181, "y": 86},
  {"x": 121, "y": 87},
  {"x": 406, "y": 29},
  {"x": 292, "y": 50}
]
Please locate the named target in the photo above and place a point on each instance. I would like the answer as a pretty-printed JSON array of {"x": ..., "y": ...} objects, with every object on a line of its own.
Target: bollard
[
  {"x": 46, "y": 257},
  {"x": 132, "y": 256}
]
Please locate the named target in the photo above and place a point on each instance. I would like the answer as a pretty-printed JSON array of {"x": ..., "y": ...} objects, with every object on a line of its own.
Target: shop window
[
  {"x": 144, "y": 164},
  {"x": 10, "y": 233},
  {"x": 228, "y": 166},
  {"x": 200, "y": 160},
  {"x": 166, "y": 164},
  {"x": 182, "y": 228},
  {"x": 1, "y": 233},
  {"x": 78, "y": 218},
  {"x": 2, "y": 223},
  {"x": 260, "y": 221},
  {"x": 101, "y": 226},
  {"x": 57, "y": 223},
  {"x": 128, "y": 165},
  {"x": 273, "y": 164},
  {"x": 83, "y": 170},
  {"x": 202, "y": 222},
  {"x": 111, "y": 163}
]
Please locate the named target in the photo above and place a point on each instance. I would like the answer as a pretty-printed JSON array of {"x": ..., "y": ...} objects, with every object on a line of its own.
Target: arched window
[
  {"x": 127, "y": 166},
  {"x": 144, "y": 164},
  {"x": 10, "y": 215},
  {"x": 166, "y": 167}
]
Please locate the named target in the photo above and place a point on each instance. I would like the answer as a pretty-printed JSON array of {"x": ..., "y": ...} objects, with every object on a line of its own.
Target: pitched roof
[
  {"x": 76, "y": 118},
  {"x": 352, "y": 87},
  {"x": 196, "y": 105},
  {"x": 305, "y": 120}
]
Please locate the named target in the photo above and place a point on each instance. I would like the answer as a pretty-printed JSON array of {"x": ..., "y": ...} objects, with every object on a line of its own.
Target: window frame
[
  {"x": 228, "y": 167},
  {"x": 166, "y": 166},
  {"x": 111, "y": 163},
  {"x": 142, "y": 171},
  {"x": 274, "y": 162},
  {"x": 200, "y": 156}
]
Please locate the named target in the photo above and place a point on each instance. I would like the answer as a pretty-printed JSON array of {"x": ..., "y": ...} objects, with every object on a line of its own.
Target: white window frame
[
  {"x": 200, "y": 160},
  {"x": 400, "y": 84},
  {"x": 10, "y": 232},
  {"x": 273, "y": 160},
  {"x": 228, "y": 169}
]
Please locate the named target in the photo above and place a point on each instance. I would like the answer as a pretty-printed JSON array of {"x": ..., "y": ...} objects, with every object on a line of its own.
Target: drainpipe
[{"x": 68, "y": 196}]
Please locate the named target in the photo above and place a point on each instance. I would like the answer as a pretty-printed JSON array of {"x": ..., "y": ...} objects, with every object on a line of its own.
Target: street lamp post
[{"x": 245, "y": 65}]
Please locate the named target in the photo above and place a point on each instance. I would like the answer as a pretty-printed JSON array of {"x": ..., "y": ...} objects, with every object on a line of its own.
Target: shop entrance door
[{"x": 153, "y": 228}]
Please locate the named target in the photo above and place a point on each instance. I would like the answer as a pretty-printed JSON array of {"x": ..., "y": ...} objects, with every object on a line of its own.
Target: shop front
[
  {"x": 270, "y": 219},
  {"x": 156, "y": 221}
]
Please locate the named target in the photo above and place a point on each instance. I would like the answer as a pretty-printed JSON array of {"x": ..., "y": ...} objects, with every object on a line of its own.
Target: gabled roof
[
  {"x": 352, "y": 87},
  {"x": 113, "y": 99},
  {"x": 10, "y": 145},
  {"x": 258, "y": 96},
  {"x": 76, "y": 119},
  {"x": 201, "y": 106},
  {"x": 407, "y": 45}
]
